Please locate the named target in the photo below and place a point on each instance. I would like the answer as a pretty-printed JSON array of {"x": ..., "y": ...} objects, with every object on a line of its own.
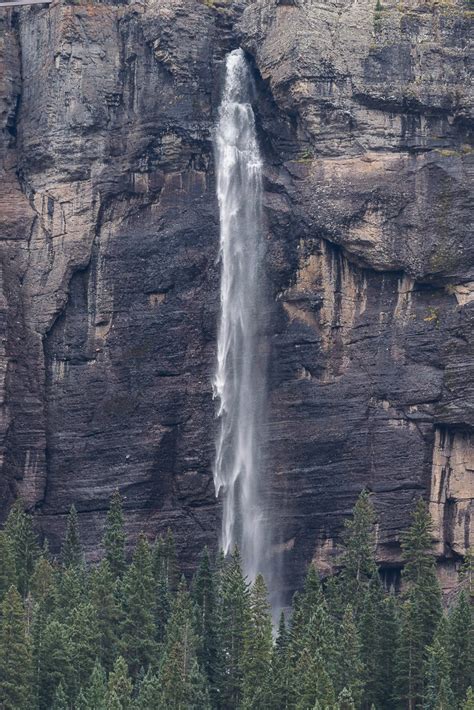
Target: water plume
[{"x": 240, "y": 378}]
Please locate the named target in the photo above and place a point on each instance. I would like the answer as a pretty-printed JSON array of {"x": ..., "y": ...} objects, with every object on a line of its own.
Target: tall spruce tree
[
  {"x": 358, "y": 566},
  {"x": 60, "y": 699},
  {"x": 23, "y": 543},
  {"x": 53, "y": 662},
  {"x": 460, "y": 647},
  {"x": 369, "y": 631},
  {"x": 468, "y": 703},
  {"x": 163, "y": 604},
  {"x": 138, "y": 622},
  {"x": 313, "y": 647},
  {"x": 181, "y": 681},
  {"x": 44, "y": 594},
  {"x": 234, "y": 615},
  {"x": 438, "y": 693},
  {"x": 313, "y": 683},
  {"x": 43, "y": 582},
  {"x": 15, "y": 655},
  {"x": 7, "y": 565},
  {"x": 257, "y": 651},
  {"x": 119, "y": 687},
  {"x": 282, "y": 671},
  {"x": 421, "y": 610},
  {"x": 316, "y": 637},
  {"x": 84, "y": 644},
  {"x": 164, "y": 560},
  {"x": 149, "y": 694},
  {"x": 350, "y": 672},
  {"x": 467, "y": 572},
  {"x": 71, "y": 589},
  {"x": 304, "y": 606},
  {"x": 104, "y": 597},
  {"x": 387, "y": 653},
  {"x": 114, "y": 537},
  {"x": 95, "y": 693},
  {"x": 345, "y": 701},
  {"x": 203, "y": 592},
  {"x": 71, "y": 552}
]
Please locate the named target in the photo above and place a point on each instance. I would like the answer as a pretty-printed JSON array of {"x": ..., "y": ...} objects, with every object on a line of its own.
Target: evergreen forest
[{"x": 134, "y": 635}]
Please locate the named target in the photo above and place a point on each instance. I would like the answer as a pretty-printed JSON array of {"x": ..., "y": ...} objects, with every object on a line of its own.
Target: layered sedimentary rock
[{"x": 110, "y": 289}]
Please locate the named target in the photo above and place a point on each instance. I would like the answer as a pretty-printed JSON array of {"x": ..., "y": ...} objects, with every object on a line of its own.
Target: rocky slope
[{"x": 109, "y": 230}]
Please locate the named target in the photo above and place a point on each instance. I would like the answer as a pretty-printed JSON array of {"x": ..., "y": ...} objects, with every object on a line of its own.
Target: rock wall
[{"x": 109, "y": 230}]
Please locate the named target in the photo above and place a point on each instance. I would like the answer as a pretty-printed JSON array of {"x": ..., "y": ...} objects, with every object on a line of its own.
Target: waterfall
[{"x": 239, "y": 381}]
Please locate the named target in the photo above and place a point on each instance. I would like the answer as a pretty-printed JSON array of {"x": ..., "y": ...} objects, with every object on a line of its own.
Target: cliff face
[{"x": 109, "y": 229}]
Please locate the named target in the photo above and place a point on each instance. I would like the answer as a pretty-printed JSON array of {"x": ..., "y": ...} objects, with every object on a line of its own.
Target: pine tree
[
  {"x": 44, "y": 593},
  {"x": 368, "y": 626},
  {"x": 318, "y": 638},
  {"x": 170, "y": 559},
  {"x": 181, "y": 681},
  {"x": 359, "y": 585},
  {"x": 203, "y": 593},
  {"x": 350, "y": 672},
  {"x": 7, "y": 565},
  {"x": 158, "y": 562},
  {"x": 410, "y": 658},
  {"x": 358, "y": 566},
  {"x": 119, "y": 689},
  {"x": 114, "y": 537},
  {"x": 469, "y": 700},
  {"x": 467, "y": 572},
  {"x": 163, "y": 603},
  {"x": 95, "y": 694},
  {"x": 137, "y": 628},
  {"x": 313, "y": 683},
  {"x": 460, "y": 647},
  {"x": 52, "y": 661},
  {"x": 445, "y": 696},
  {"x": 84, "y": 644},
  {"x": 422, "y": 608},
  {"x": 345, "y": 700},
  {"x": 313, "y": 647},
  {"x": 105, "y": 600},
  {"x": 257, "y": 650},
  {"x": 387, "y": 651},
  {"x": 234, "y": 614},
  {"x": 23, "y": 543},
  {"x": 43, "y": 582},
  {"x": 60, "y": 701},
  {"x": 149, "y": 695},
  {"x": 305, "y": 605},
  {"x": 164, "y": 560},
  {"x": 15, "y": 654},
  {"x": 282, "y": 671},
  {"x": 312, "y": 595},
  {"x": 71, "y": 590},
  {"x": 438, "y": 693},
  {"x": 71, "y": 553},
  {"x": 416, "y": 546}
]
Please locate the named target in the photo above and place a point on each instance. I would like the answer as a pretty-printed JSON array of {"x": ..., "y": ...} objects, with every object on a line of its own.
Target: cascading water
[{"x": 239, "y": 382}]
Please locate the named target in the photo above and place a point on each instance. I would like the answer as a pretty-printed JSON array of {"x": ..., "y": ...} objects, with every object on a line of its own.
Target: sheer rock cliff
[{"x": 110, "y": 298}]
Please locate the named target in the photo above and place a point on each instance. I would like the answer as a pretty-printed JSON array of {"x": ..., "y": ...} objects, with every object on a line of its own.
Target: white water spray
[{"x": 239, "y": 382}]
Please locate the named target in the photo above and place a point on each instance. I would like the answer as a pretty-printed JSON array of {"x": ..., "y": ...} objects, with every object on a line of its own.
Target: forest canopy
[{"x": 133, "y": 635}]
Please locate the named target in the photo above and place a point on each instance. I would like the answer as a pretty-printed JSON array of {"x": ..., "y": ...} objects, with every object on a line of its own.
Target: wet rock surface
[{"x": 109, "y": 229}]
